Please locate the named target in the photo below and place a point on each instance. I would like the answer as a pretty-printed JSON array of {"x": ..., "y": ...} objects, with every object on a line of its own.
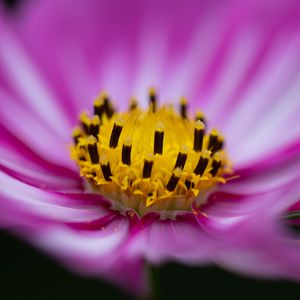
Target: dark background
[
  {"x": 25, "y": 273},
  {"x": 10, "y": 4}
]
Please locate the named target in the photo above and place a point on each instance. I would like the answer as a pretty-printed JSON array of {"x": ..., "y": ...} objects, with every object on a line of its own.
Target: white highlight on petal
[
  {"x": 150, "y": 62},
  {"x": 27, "y": 168},
  {"x": 114, "y": 77},
  {"x": 35, "y": 134},
  {"x": 277, "y": 117},
  {"x": 44, "y": 204},
  {"x": 32, "y": 88},
  {"x": 184, "y": 74},
  {"x": 65, "y": 241},
  {"x": 245, "y": 127},
  {"x": 77, "y": 79},
  {"x": 239, "y": 59}
]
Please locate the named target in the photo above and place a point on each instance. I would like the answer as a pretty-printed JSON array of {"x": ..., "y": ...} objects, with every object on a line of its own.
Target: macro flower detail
[
  {"x": 152, "y": 180},
  {"x": 152, "y": 160}
]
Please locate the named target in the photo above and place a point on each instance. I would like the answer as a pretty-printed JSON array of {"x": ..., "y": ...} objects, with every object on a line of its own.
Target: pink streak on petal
[
  {"x": 93, "y": 253},
  {"x": 80, "y": 230},
  {"x": 33, "y": 133},
  {"x": 271, "y": 172},
  {"x": 259, "y": 246},
  {"x": 271, "y": 101},
  {"x": 41, "y": 180},
  {"x": 13, "y": 149},
  {"x": 263, "y": 249},
  {"x": 39, "y": 205},
  {"x": 95, "y": 38},
  {"x": 29, "y": 85},
  {"x": 295, "y": 206},
  {"x": 181, "y": 239}
]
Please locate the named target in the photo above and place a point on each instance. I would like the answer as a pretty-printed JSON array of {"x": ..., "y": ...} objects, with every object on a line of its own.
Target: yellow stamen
[
  {"x": 133, "y": 104},
  {"x": 198, "y": 135},
  {"x": 126, "y": 151},
  {"x": 159, "y": 138},
  {"x": 77, "y": 134},
  {"x": 155, "y": 159},
  {"x": 200, "y": 116},
  {"x": 183, "y": 108},
  {"x": 152, "y": 99}
]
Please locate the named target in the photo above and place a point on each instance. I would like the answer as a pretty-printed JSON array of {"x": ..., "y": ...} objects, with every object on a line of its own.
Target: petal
[
  {"x": 224, "y": 215},
  {"x": 33, "y": 133},
  {"x": 20, "y": 161},
  {"x": 28, "y": 84},
  {"x": 274, "y": 117},
  {"x": 24, "y": 204},
  {"x": 93, "y": 253},
  {"x": 263, "y": 246},
  {"x": 180, "y": 239},
  {"x": 29, "y": 111},
  {"x": 80, "y": 230},
  {"x": 196, "y": 56},
  {"x": 265, "y": 250},
  {"x": 271, "y": 172}
]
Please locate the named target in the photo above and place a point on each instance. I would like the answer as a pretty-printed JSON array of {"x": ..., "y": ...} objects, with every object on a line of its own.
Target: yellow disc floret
[{"x": 149, "y": 160}]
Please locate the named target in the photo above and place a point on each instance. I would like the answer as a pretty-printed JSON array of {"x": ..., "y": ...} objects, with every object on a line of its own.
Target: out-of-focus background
[{"x": 25, "y": 273}]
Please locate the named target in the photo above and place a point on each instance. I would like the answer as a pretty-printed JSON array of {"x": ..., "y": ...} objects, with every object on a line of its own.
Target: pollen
[{"x": 153, "y": 159}]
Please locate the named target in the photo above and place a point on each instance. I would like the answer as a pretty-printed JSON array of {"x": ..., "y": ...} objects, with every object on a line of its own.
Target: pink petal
[
  {"x": 268, "y": 173},
  {"x": 28, "y": 84},
  {"x": 255, "y": 43},
  {"x": 32, "y": 204},
  {"x": 294, "y": 208},
  {"x": 228, "y": 206},
  {"x": 265, "y": 250},
  {"x": 263, "y": 246},
  {"x": 181, "y": 239},
  {"x": 263, "y": 121},
  {"x": 93, "y": 253},
  {"x": 19, "y": 157},
  {"x": 32, "y": 132},
  {"x": 80, "y": 230},
  {"x": 20, "y": 161}
]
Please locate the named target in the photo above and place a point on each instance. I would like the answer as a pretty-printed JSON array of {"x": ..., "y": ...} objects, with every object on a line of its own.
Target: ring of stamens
[{"x": 153, "y": 159}]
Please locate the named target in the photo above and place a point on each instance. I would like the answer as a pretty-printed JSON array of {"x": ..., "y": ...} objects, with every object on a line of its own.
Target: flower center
[{"x": 149, "y": 160}]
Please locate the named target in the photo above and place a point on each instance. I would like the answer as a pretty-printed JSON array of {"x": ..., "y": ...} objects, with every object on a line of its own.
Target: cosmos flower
[{"x": 142, "y": 183}]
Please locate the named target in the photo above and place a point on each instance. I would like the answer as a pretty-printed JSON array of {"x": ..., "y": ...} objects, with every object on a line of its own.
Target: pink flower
[{"x": 238, "y": 61}]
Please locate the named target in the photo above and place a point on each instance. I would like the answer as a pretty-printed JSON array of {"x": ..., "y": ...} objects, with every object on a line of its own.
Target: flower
[{"x": 238, "y": 61}]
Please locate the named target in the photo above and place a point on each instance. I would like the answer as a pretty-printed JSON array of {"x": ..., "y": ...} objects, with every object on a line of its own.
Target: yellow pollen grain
[
  {"x": 91, "y": 140},
  {"x": 159, "y": 127},
  {"x": 199, "y": 125},
  {"x": 119, "y": 121},
  {"x": 177, "y": 172},
  {"x": 127, "y": 141},
  {"x": 152, "y": 91},
  {"x": 206, "y": 153},
  {"x": 95, "y": 120},
  {"x": 103, "y": 160},
  {"x": 199, "y": 115},
  {"x": 183, "y": 101},
  {"x": 76, "y": 131},
  {"x": 99, "y": 101}
]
